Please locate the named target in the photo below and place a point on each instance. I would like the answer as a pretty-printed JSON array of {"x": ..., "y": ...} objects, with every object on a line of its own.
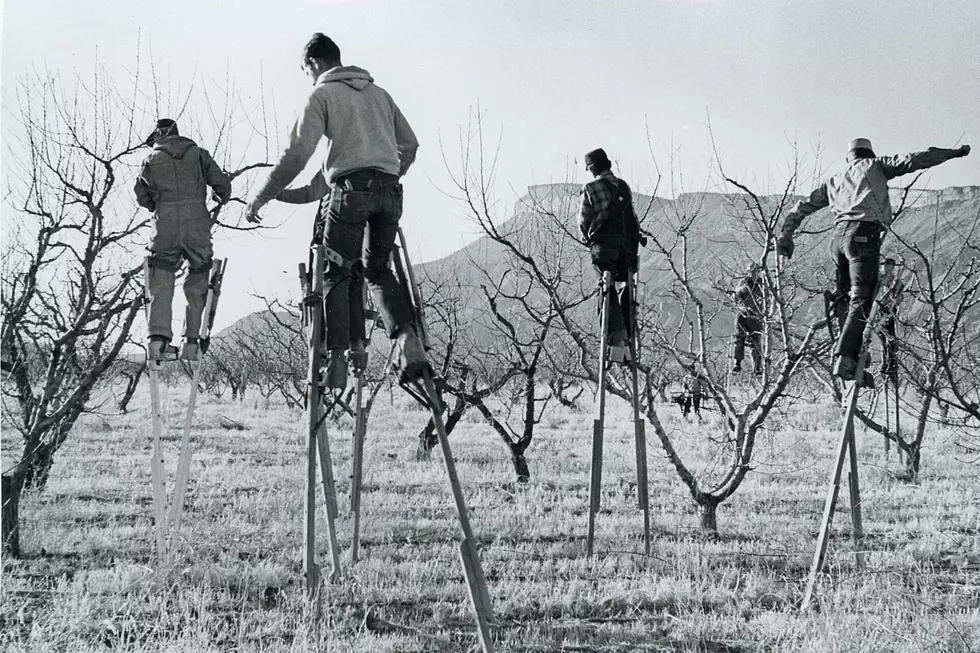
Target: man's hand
[
  {"x": 216, "y": 198},
  {"x": 964, "y": 150},
  {"x": 785, "y": 246},
  {"x": 251, "y": 213}
]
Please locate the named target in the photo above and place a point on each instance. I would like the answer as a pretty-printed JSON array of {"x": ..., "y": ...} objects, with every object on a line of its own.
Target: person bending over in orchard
[
  {"x": 370, "y": 146},
  {"x": 858, "y": 196},
  {"x": 172, "y": 183}
]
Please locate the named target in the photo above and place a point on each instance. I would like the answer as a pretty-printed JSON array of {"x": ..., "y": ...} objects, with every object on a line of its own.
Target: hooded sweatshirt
[
  {"x": 174, "y": 179},
  {"x": 364, "y": 128}
]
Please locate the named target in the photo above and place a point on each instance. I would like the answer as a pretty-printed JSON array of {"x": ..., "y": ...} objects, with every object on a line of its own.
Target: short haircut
[{"x": 321, "y": 46}]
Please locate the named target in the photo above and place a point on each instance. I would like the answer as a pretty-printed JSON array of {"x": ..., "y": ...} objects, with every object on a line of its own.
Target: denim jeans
[
  {"x": 361, "y": 224},
  {"x": 855, "y": 249},
  {"x": 614, "y": 259}
]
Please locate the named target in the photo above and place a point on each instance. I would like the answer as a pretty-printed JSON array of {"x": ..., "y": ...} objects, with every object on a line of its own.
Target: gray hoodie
[{"x": 364, "y": 128}]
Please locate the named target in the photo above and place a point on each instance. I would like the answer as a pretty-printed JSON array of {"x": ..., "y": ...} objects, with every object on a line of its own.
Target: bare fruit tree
[{"x": 72, "y": 286}]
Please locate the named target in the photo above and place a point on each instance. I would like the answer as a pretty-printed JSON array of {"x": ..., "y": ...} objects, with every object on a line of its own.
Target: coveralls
[{"x": 173, "y": 185}]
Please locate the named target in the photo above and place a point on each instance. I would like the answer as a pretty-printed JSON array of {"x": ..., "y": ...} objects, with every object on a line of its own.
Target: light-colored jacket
[
  {"x": 860, "y": 193},
  {"x": 174, "y": 178},
  {"x": 364, "y": 128}
]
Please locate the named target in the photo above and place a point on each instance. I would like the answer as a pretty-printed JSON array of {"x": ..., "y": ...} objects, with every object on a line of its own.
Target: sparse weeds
[{"x": 87, "y": 582}]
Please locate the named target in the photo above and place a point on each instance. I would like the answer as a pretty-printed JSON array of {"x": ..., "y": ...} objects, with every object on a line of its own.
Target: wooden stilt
[
  {"x": 595, "y": 478},
  {"x": 845, "y": 447},
  {"x": 184, "y": 459},
  {"x": 642, "y": 483}
]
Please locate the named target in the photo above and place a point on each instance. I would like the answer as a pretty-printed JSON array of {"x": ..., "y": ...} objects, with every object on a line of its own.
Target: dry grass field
[{"x": 87, "y": 581}]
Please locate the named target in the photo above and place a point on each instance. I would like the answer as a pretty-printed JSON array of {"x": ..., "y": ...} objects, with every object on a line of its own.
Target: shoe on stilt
[
  {"x": 357, "y": 356},
  {"x": 845, "y": 368},
  {"x": 334, "y": 374},
  {"x": 412, "y": 361},
  {"x": 156, "y": 349},
  {"x": 190, "y": 351},
  {"x": 737, "y": 368}
]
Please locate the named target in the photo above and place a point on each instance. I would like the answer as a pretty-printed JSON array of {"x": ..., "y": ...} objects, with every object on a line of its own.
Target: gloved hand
[
  {"x": 785, "y": 246},
  {"x": 964, "y": 150}
]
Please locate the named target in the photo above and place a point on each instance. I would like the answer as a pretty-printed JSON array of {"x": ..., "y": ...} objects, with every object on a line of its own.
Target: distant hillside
[{"x": 718, "y": 244}]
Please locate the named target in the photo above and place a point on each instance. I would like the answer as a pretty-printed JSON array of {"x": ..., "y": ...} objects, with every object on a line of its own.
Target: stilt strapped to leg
[
  {"x": 316, "y": 432},
  {"x": 607, "y": 288},
  {"x": 425, "y": 392},
  {"x": 846, "y": 450},
  {"x": 167, "y": 526}
]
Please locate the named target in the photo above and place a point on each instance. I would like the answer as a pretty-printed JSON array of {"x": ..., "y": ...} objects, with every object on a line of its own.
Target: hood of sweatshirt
[
  {"x": 175, "y": 146},
  {"x": 356, "y": 78}
]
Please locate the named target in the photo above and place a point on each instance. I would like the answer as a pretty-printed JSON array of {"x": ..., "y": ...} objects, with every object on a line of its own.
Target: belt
[{"x": 369, "y": 175}]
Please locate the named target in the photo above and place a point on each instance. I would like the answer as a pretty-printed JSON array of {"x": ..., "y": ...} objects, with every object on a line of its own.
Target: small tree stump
[{"x": 10, "y": 529}]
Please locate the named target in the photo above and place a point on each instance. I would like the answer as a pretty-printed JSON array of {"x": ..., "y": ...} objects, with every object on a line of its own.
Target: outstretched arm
[
  {"x": 303, "y": 139},
  {"x": 902, "y": 164},
  {"x": 818, "y": 199},
  {"x": 315, "y": 190}
]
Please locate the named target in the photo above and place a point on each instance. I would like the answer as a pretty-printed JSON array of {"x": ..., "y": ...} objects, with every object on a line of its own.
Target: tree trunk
[
  {"x": 10, "y": 493},
  {"x": 132, "y": 382},
  {"x": 427, "y": 436},
  {"x": 520, "y": 466},
  {"x": 708, "y": 511},
  {"x": 913, "y": 461}
]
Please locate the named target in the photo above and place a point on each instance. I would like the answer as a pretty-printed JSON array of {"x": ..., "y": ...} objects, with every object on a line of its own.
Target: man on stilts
[
  {"x": 370, "y": 146},
  {"x": 749, "y": 314},
  {"x": 611, "y": 231},
  {"x": 173, "y": 183},
  {"x": 859, "y": 199}
]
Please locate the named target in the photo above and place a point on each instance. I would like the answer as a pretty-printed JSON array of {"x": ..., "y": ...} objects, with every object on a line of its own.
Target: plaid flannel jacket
[{"x": 597, "y": 195}]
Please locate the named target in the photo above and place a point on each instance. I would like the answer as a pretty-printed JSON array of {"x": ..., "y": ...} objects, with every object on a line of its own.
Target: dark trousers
[
  {"x": 361, "y": 224},
  {"x": 748, "y": 328},
  {"x": 855, "y": 250},
  {"x": 616, "y": 260},
  {"x": 689, "y": 400}
]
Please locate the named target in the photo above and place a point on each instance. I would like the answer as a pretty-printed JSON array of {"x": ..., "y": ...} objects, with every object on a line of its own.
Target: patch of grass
[{"x": 88, "y": 581}]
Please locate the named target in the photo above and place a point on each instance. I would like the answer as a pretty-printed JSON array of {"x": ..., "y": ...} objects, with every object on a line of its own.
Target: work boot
[
  {"x": 334, "y": 374},
  {"x": 156, "y": 349},
  {"x": 357, "y": 356},
  {"x": 190, "y": 351},
  {"x": 846, "y": 366},
  {"x": 737, "y": 368},
  {"x": 412, "y": 361}
]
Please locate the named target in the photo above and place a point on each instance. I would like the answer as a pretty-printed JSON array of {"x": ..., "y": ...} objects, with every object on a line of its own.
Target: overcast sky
[{"x": 554, "y": 78}]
